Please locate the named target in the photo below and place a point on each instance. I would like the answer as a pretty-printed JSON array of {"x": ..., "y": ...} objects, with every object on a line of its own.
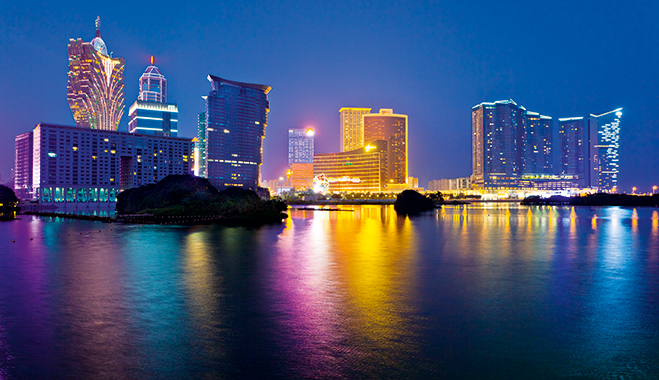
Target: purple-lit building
[
  {"x": 76, "y": 165},
  {"x": 23, "y": 166}
]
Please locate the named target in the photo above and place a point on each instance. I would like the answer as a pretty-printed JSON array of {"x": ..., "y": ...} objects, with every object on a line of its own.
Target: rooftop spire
[{"x": 98, "y": 26}]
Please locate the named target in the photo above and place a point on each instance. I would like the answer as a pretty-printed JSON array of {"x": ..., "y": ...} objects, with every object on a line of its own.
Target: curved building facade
[
  {"x": 96, "y": 84},
  {"x": 236, "y": 118}
]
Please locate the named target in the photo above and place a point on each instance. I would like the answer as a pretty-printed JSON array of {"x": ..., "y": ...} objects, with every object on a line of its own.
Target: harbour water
[{"x": 480, "y": 291}]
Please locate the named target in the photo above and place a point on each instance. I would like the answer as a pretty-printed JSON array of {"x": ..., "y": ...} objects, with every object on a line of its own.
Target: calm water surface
[{"x": 494, "y": 292}]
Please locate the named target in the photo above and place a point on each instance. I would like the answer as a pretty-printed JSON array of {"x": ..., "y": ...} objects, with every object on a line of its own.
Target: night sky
[{"x": 430, "y": 60}]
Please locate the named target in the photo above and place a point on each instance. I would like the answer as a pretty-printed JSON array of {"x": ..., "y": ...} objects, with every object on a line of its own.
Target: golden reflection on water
[
  {"x": 377, "y": 267},
  {"x": 655, "y": 222},
  {"x": 202, "y": 282},
  {"x": 371, "y": 251}
]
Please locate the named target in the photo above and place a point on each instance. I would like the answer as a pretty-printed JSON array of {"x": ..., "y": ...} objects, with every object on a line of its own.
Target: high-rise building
[
  {"x": 23, "y": 166},
  {"x": 496, "y": 131},
  {"x": 352, "y": 127},
  {"x": 391, "y": 128},
  {"x": 96, "y": 84},
  {"x": 573, "y": 137},
  {"x": 536, "y": 141},
  {"x": 604, "y": 131},
  {"x": 150, "y": 114},
  {"x": 300, "y": 146},
  {"x": 153, "y": 85},
  {"x": 150, "y": 118},
  {"x": 200, "y": 149},
  {"x": 236, "y": 118}
]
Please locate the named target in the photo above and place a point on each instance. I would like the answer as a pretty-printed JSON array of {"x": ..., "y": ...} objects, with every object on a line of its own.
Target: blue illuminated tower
[
  {"x": 236, "y": 118},
  {"x": 604, "y": 146}
]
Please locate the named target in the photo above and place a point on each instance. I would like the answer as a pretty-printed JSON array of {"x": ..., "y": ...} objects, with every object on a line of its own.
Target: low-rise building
[{"x": 80, "y": 165}]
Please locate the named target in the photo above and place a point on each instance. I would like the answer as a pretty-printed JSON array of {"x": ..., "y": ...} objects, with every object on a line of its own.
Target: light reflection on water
[{"x": 496, "y": 291}]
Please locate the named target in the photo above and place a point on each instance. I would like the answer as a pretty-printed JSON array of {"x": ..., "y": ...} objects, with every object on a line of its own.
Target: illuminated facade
[
  {"x": 236, "y": 118},
  {"x": 300, "y": 146},
  {"x": 537, "y": 138},
  {"x": 358, "y": 170},
  {"x": 151, "y": 114},
  {"x": 573, "y": 137},
  {"x": 392, "y": 128},
  {"x": 496, "y": 131},
  {"x": 73, "y": 165},
  {"x": 604, "y": 149},
  {"x": 153, "y": 85},
  {"x": 200, "y": 145},
  {"x": 150, "y": 118},
  {"x": 302, "y": 175},
  {"x": 352, "y": 127},
  {"x": 96, "y": 84},
  {"x": 23, "y": 166}
]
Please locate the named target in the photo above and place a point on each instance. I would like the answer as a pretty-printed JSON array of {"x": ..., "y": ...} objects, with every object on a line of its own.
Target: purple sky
[{"x": 431, "y": 60}]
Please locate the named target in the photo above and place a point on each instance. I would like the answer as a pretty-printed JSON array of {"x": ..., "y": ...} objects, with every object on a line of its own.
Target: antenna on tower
[
  {"x": 98, "y": 26},
  {"x": 152, "y": 60}
]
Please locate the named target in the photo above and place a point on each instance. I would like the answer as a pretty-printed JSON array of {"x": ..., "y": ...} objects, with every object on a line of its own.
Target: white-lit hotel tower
[
  {"x": 96, "y": 84},
  {"x": 150, "y": 114}
]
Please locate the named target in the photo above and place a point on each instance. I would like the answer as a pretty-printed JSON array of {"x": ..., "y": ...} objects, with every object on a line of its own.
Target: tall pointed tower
[{"x": 96, "y": 84}]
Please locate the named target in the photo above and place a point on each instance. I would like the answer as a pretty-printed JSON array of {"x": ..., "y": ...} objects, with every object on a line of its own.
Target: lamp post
[
  {"x": 634, "y": 190},
  {"x": 654, "y": 189}
]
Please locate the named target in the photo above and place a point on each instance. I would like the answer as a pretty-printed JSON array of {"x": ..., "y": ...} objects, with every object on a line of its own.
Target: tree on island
[
  {"x": 411, "y": 202},
  {"x": 8, "y": 198},
  {"x": 185, "y": 195}
]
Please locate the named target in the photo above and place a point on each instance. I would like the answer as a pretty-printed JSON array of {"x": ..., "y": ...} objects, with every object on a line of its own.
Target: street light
[
  {"x": 654, "y": 189},
  {"x": 634, "y": 190}
]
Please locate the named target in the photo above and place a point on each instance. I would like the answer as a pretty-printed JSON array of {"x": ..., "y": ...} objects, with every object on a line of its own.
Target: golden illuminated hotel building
[
  {"x": 360, "y": 170},
  {"x": 352, "y": 128},
  {"x": 96, "y": 84},
  {"x": 391, "y": 128}
]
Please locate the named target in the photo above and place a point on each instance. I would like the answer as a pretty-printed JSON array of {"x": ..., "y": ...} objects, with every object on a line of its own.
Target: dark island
[
  {"x": 8, "y": 203},
  {"x": 185, "y": 199},
  {"x": 410, "y": 202},
  {"x": 599, "y": 199}
]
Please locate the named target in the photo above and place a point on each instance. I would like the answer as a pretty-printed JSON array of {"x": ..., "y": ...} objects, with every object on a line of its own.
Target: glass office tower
[
  {"x": 96, "y": 84},
  {"x": 300, "y": 146},
  {"x": 236, "y": 118}
]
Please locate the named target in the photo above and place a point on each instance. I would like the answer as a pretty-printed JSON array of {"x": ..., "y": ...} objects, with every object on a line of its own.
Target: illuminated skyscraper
[
  {"x": 96, "y": 84},
  {"x": 300, "y": 146},
  {"x": 200, "y": 152},
  {"x": 23, "y": 166},
  {"x": 536, "y": 140},
  {"x": 495, "y": 143},
  {"x": 153, "y": 85},
  {"x": 604, "y": 146},
  {"x": 391, "y": 128},
  {"x": 573, "y": 137},
  {"x": 236, "y": 118},
  {"x": 150, "y": 114},
  {"x": 352, "y": 127}
]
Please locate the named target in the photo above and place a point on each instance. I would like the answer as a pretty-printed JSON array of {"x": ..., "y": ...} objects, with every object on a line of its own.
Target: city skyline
[{"x": 441, "y": 135}]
